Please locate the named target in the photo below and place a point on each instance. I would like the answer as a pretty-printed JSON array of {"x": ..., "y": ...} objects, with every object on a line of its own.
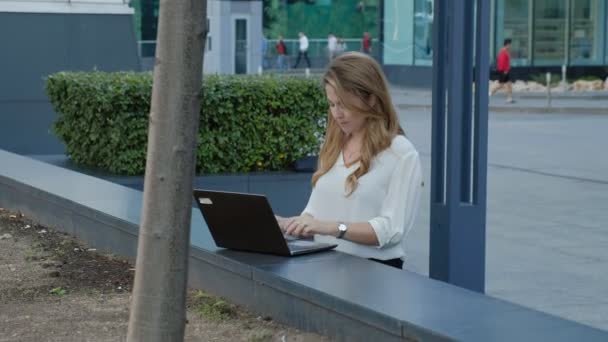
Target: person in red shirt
[
  {"x": 281, "y": 53},
  {"x": 366, "y": 43},
  {"x": 503, "y": 68}
]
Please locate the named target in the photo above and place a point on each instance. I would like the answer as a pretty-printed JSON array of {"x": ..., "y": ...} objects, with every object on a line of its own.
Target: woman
[{"x": 367, "y": 185}]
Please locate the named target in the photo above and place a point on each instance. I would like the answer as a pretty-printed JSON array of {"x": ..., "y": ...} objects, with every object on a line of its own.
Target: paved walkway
[{"x": 547, "y": 218}]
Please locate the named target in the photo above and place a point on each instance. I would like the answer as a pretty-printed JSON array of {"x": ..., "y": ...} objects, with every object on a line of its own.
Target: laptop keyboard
[
  {"x": 291, "y": 237},
  {"x": 299, "y": 245}
]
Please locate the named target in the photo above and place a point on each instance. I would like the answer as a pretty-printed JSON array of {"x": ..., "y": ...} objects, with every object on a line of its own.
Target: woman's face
[{"x": 348, "y": 121}]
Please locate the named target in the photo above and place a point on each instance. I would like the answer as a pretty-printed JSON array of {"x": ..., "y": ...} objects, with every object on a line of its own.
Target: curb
[
  {"x": 535, "y": 110},
  {"x": 596, "y": 95}
]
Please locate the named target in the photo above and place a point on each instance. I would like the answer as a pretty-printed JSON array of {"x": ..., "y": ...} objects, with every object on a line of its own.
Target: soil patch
[{"x": 55, "y": 288}]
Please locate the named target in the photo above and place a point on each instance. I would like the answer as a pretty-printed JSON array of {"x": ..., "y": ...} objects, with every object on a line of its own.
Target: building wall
[
  {"x": 409, "y": 75},
  {"x": 213, "y": 46},
  {"x": 222, "y": 14},
  {"x": 36, "y": 44},
  {"x": 66, "y": 6}
]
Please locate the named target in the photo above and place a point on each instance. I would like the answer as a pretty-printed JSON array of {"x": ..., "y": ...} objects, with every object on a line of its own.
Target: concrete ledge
[
  {"x": 347, "y": 298},
  {"x": 271, "y": 184}
]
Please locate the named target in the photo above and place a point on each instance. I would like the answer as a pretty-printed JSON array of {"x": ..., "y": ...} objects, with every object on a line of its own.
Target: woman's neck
[
  {"x": 352, "y": 144},
  {"x": 355, "y": 138}
]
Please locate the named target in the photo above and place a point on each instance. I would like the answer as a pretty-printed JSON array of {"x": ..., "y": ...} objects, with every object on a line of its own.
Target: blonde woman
[{"x": 368, "y": 181}]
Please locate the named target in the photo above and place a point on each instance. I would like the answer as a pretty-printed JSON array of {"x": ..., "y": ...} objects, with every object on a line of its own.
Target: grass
[
  {"x": 32, "y": 254},
  {"x": 262, "y": 335},
  {"x": 58, "y": 291},
  {"x": 589, "y": 78},
  {"x": 212, "y": 307}
]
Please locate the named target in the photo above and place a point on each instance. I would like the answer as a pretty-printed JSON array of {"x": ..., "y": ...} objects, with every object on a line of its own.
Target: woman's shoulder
[{"x": 402, "y": 146}]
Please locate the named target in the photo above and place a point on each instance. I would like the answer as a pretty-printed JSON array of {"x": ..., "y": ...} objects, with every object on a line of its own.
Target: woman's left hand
[{"x": 305, "y": 226}]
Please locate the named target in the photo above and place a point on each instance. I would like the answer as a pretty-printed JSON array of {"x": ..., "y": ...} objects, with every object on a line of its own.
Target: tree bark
[{"x": 159, "y": 296}]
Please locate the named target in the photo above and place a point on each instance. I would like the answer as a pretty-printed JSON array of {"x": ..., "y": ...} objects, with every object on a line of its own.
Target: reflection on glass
[
  {"x": 517, "y": 28},
  {"x": 398, "y": 32},
  {"x": 513, "y": 17},
  {"x": 423, "y": 32},
  {"x": 582, "y": 33},
  {"x": 240, "y": 46},
  {"x": 549, "y": 31}
]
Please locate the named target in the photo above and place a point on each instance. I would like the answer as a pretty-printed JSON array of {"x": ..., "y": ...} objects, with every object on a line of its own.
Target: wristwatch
[{"x": 342, "y": 228}]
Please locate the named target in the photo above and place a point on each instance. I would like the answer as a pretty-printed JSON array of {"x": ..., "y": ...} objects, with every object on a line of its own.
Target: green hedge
[{"x": 247, "y": 123}]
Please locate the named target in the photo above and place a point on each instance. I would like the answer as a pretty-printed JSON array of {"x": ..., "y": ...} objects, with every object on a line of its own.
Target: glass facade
[
  {"x": 145, "y": 20},
  {"x": 398, "y": 32},
  {"x": 543, "y": 32},
  {"x": 549, "y": 31},
  {"x": 408, "y": 39},
  {"x": 423, "y": 32},
  {"x": 347, "y": 19},
  {"x": 585, "y": 45},
  {"x": 513, "y": 21},
  {"x": 317, "y": 18}
]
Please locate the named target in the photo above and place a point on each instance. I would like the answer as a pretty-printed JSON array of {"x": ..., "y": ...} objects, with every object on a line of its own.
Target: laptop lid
[{"x": 241, "y": 221}]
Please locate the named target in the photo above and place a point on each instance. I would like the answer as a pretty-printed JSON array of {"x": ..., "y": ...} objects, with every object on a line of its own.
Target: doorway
[{"x": 240, "y": 46}]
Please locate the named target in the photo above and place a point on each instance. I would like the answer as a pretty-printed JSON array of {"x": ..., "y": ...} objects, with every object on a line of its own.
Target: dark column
[{"x": 459, "y": 142}]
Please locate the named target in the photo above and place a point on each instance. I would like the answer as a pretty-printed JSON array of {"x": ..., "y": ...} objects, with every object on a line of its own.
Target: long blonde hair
[{"x": 360, "y": 75}]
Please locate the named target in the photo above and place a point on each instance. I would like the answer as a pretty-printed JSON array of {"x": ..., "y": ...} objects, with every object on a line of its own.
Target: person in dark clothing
[{"x": 303, "y": 50}]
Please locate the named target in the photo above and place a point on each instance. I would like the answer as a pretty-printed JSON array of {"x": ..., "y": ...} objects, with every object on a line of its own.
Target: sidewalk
[
  {"x": 591, "y": 102},
  {"x": 546, "y": 218}
]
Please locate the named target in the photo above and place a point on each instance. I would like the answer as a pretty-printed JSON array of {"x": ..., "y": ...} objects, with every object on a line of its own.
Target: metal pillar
[{"x": 459, "y": 142}]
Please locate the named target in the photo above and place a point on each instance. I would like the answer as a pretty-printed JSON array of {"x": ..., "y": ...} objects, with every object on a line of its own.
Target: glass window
[
  {"x": 603, "y": 29},
  {"x": 346, "y": 19},
  {"x": 398, "y": 32},
  {"x": 423, "y": 32},
  {"x": 549, "y": 32},
  {"x": 512, "y": 21},
  {"x": 584, "y": 33}
]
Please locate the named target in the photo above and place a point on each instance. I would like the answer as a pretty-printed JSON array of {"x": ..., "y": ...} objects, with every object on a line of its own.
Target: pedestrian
[
  {"x": 332, "y": 46},
  {"x": 367, "y": 186},
  {"x": 264, "y": 52},
  {"x": 503, "y": 68},
  {"x": 281, "y": 49},
  {"x": 342, "y": 47},
  {"x": 303, "y": 50},
  {"x": 366, "y": 43}
]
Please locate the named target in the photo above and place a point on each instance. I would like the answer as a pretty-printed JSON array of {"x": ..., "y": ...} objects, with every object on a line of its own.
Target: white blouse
[{"x": 387, "y": 197}]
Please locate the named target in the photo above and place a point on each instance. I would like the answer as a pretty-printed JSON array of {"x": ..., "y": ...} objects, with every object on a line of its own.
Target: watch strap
[{"x": 342, "y": 228}]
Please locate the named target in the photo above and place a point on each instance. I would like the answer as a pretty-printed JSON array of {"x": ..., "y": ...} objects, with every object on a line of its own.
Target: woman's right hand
[
  {"x": 282, "y": 221},
  {"x": 301, "y": 226}
]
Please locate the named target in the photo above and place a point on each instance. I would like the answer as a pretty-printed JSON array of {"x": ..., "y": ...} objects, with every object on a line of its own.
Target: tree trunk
[{"x": 159, "y": 296}]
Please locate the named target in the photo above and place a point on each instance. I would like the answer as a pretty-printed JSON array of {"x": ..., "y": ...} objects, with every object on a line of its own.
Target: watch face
[{"x": 342, "y": 227}]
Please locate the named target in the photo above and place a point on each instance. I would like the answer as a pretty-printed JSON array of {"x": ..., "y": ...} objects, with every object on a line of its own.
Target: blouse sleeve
[{"x": 401, "y": 202}]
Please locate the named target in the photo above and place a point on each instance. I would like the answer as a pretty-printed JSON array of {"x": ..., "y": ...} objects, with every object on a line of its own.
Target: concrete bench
[{"x": 345, "y": 297}]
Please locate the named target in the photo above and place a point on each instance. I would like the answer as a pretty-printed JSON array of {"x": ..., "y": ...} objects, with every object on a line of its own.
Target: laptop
[{"x": 246, "y": 222}]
